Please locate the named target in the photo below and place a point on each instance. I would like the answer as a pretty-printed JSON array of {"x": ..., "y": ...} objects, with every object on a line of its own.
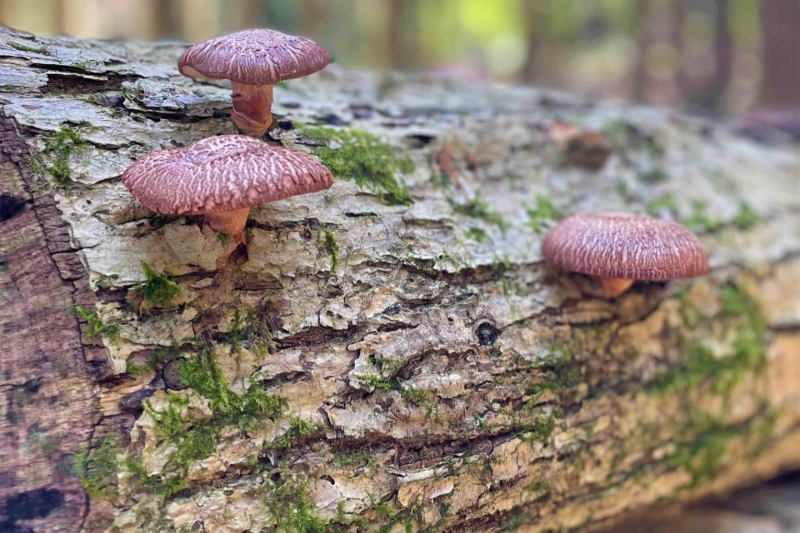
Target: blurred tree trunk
[
  {"x": 780, "y": 87},
  {"x": 537, "y": 32},
  {"x": 384, "y": 358},
  {"x": 677, "y": 42},
  {"x": 640, "y": 77},
  {"x": 723, "y": 55}
]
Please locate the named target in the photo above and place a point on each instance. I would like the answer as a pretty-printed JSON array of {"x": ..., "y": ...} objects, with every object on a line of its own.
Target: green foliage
[
  {"x": 329, "y": 244},
  {"x": 745, "y": 218},
  {"x": 61, "y": 145},
  {"x": 360, "y": 156},
  {"x": 95, "y": 327},
  {"x": 159, "y": 290},
  {"x": 542, "y": 212},
  {"x": 479, "y": 209},
  {"x": 97, "y": 469}
]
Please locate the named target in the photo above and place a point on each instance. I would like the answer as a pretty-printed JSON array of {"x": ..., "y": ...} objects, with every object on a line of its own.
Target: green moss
[
  {"x": 704, "y": 440},
  {"x": 375, "y": 381},
  {"x": 291, "y": 507},
  {"x": 360, "y": 156},
  {"x": 699, "y": 222},
  {"x": 328, "y": 243},
  {"x": 359, "y": 459},
  {"x": 60, "y": 146},
  {"x": 476, "y": 234},
  {"x": 26, "y": 48},
  {"x": 541, "y": 488},
  {"x": 195, "y": 440},
  {"x": 224, "y": 239},
  {"x": 98, "y": 468},
  {"x": 544, "y": 211},
  {"x": 657, "y": 206},
  {"x": 654, "y": 175},
  {"x": 298, "y": 428},
  {"x": 95, "y": 327},
  {"x": 250, "y": 328},
  {"x": 742, "y": 319},
  {"x": 204, "y": 374},
  {"x": 745, "y": 218},
  {"x": 556, "y": 373},
  {"x": 538, "y": 431},
  {"x": 479, "y": 209},
  {"x": 159, "y": 290}
]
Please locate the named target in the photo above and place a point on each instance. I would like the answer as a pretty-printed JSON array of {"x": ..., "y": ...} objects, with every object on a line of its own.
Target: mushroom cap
[
  {"x": 254, "y": 57},
  {"x": 222, "y": 174},
  {"x": 624, "y": 245}
]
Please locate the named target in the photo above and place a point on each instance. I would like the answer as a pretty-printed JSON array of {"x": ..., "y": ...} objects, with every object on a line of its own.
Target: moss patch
[
  {"x": 542, "y": 212},
  {"x": 360, "y": 156},
  {"x": 60, "y": 146},
  {"x": 98, "y": 468},
  {"x": 328, "y": 244},
  {"x": 159, "y": 290},
  {"x": 479, "y": 209},
  {"x": 95, "y": 326},
  {"x": 194, "y": 440},
  {"x": 743, "y": 322},
  {"x": 745, "y": 217},
  {"x": 27, "y": 48}
]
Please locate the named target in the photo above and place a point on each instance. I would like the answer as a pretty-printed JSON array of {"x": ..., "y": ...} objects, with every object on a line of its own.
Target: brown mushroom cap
[
  {"x": 222, "y": 174},
  {"x": 624, "y": 245},
  {"x": 254, "y": 57}
]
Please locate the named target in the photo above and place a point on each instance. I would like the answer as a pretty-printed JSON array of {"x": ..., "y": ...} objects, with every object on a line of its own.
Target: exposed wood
[{"x": 365, "y": 365}]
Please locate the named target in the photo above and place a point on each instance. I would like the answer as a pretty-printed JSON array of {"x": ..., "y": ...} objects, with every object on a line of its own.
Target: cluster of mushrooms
[{"x": 223, "y": 177}]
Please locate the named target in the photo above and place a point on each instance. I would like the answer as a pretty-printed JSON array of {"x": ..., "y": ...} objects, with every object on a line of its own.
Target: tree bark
[{"x": 369, "y": 366}]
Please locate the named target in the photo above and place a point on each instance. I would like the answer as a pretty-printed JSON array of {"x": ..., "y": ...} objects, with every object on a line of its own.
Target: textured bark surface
[{"x": 369, "y": 366}]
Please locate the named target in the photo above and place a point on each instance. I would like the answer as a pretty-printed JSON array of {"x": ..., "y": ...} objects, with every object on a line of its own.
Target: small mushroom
[
  {"x": 253, "y": 60},
  {"x": 620, "y": 248},
  {"x": 221, "y": 178}
]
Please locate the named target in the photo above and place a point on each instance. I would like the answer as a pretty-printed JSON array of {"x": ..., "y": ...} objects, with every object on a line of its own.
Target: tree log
[{"x": 391, "y": 354}]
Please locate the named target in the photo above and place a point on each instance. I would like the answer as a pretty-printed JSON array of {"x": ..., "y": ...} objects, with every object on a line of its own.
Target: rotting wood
[{"x": 389, "y": 356}]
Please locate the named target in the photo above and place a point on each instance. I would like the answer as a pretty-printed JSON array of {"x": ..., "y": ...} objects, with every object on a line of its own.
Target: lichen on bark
[{"x": 393, "y": 355}]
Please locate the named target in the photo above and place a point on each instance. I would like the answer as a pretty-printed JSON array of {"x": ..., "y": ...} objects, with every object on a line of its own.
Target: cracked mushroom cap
[
  {"x": 254, "y": 57},
  {"x": 627, "y": 246},
  {"x": 222, "y": 174}
]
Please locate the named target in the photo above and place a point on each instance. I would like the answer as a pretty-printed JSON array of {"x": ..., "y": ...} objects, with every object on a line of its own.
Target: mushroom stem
[
  {"x": 252, "y": 105},
  {"x": 613, "y": 287},
  {"x": 230, "y": 222}
]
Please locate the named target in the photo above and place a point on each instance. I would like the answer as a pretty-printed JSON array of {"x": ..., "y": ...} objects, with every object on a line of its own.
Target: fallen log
[{"x": 391, "y": 354}]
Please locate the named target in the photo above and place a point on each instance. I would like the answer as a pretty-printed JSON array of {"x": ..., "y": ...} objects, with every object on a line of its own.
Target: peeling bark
[{"x": 375, "y": 366}]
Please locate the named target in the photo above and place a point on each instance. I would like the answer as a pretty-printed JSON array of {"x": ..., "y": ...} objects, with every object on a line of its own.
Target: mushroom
[
  {"x": 221, "y": 178},
  {"x": 254, "y": 60},
  {"x": 620, "y": 248}
]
